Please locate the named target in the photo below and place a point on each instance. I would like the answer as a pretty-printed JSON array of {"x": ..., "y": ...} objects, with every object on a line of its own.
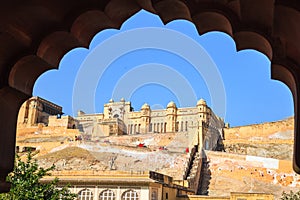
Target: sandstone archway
[{"x": 34, "y": 36}]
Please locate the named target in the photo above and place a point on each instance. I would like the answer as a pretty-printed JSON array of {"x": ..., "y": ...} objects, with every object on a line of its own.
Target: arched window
[
  {"x": 130, "y": 195},
  {"x": 85, "y": 194},
  {"x": 186, "y": 126},
  {"x": 207, "y": 144},
  {"x": 107, "y": 195},
  {"x": 154, "y": 195},
  {"x": 128, "y": 127},
  {"x": 181, "y": 126}
]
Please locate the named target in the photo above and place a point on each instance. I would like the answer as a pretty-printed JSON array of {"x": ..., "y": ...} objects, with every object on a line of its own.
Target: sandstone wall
[
  {"x": 63, "y": 121},
  {"x": 231, "y": 196},
  {"x": 242, "y": 173},
  {"x": 44, "y": 139},
  {"x": 279, "y": 130},
  {"x": 271, "y": 139}
]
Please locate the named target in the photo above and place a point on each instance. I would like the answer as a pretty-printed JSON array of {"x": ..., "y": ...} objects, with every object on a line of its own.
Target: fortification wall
[
  {"x": 270, "y": 130},
  {"x": 44, "y": 139},
  {"x": 271, "y": 139}
]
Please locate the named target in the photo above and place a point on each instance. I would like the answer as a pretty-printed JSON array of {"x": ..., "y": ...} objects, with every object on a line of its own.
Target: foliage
[
  {"x": 290, "y": 196},
  {"x": 26, "y": 183}
]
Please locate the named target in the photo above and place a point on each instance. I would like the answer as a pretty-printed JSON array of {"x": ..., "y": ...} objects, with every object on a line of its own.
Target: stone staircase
[
  {"x": 195, "y": 166},
  {"x": 193, "y": 170},
  {"x": 198, "y": 173},
  {"x": 205, "y": 178},
  {"x": 190, "y": 162}
]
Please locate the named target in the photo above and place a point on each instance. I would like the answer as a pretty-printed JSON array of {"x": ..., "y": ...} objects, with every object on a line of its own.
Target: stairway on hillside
[
  {"x": 195, "y": 165},
  {"x": 198, "y": 174},
  {"x": 193, "y": 169},
  {"x": 190, "y": 162},
  {"x": 205, "y": 178}
]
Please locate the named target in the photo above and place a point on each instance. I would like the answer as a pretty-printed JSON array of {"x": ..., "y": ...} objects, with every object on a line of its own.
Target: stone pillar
[
  {"x": 118, "y": 193},
  {"x": 10, "y": 102},
  {"x": 145, "y": 193},
  {"x": 200, "y": 136},
  {"x": 32, "y": 113},
  {"x": 145, "y": 118},
  {"x": 171, "y": 117},
  {"x": 22, "y": 113}
]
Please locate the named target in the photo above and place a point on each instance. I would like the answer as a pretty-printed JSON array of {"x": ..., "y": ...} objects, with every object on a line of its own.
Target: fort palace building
[
  {"x": 203, "y": 127},
  {"x": 184, "y": 175},
  {"x": 38, "y": 111},
  {"x": 118, "y": 118}
]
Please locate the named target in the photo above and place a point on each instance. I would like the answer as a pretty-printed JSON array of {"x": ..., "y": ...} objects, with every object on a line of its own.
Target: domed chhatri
[
  {"x": 122, "y": 100},
  {"x": 201, "y": 102},
  {"x": 111, "y": 101},
  {"x": 145, "y": 106},
  {"x": 171, "y": 104}
]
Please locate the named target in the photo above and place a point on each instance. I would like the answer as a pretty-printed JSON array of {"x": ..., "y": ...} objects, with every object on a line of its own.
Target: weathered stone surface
[
  {"x": 238, "y": 173},
  {"x": 269, "y": 150}
]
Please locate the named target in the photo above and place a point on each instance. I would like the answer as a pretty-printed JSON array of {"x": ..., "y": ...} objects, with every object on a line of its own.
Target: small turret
[
  {"x": 201, "y": 102},
  {"x": 171, "y": 104},
  {"x": 145, "y": 107},
  {"x": 202, "y": 110},
  {"x": 172, "y": 117},
  {"x": 80, "y": 113}
]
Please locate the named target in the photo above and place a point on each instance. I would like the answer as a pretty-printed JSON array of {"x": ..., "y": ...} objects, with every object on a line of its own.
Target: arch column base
[
  {"x": 4, "y": 186},
  {"x": 10, "y": 102}
]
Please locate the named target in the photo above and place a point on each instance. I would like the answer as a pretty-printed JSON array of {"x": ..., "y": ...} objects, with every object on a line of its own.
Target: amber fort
[{"x": 172, "y": 153}]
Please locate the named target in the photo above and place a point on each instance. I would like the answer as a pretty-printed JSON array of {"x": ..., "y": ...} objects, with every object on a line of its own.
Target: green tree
[
  {"x": 290, "y": 196},
  {"x": 26, "y": 183}
]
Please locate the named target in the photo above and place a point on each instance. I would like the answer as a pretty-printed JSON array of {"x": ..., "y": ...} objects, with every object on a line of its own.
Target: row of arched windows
[
  {"x": 87, "y": 194},
  {"x": 134, "y": 128},
  {"x": 158, "y": 127},
  {"x": 183, "y": 126}
]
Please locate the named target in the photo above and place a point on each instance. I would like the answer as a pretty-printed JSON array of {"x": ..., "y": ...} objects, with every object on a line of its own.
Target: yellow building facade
[
  {"x": 146, "y": 185},
  {"x": 118, "y": 118},
  {"x": 38, "y": 111}
]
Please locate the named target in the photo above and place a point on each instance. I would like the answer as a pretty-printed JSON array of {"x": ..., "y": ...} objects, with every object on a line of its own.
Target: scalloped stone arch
[{"x": 34, "y": 36}]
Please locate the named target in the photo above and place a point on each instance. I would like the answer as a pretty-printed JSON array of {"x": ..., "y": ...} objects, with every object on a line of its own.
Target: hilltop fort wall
[{"x": 270, "y": 139}]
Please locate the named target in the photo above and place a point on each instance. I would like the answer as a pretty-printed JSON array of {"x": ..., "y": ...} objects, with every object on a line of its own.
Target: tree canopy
[
  {"x": 290, "y": 196},
  {"x": 26, "y": 183}
]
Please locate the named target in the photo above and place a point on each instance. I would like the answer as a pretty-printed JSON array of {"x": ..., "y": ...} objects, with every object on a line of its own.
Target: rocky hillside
[
  {"x": 239, "y": 173},
  {"x": 160, "y": 152},
  {"x": 257, "y": 157},
  {"x": 271, "y": 139}
]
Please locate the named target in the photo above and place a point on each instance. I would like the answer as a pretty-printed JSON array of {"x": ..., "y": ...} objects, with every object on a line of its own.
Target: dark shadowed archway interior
[{"x": 35, "y": 35}]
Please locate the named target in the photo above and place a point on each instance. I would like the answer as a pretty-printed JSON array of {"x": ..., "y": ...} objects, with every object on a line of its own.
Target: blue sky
[{"x": 149, "y": 62}]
